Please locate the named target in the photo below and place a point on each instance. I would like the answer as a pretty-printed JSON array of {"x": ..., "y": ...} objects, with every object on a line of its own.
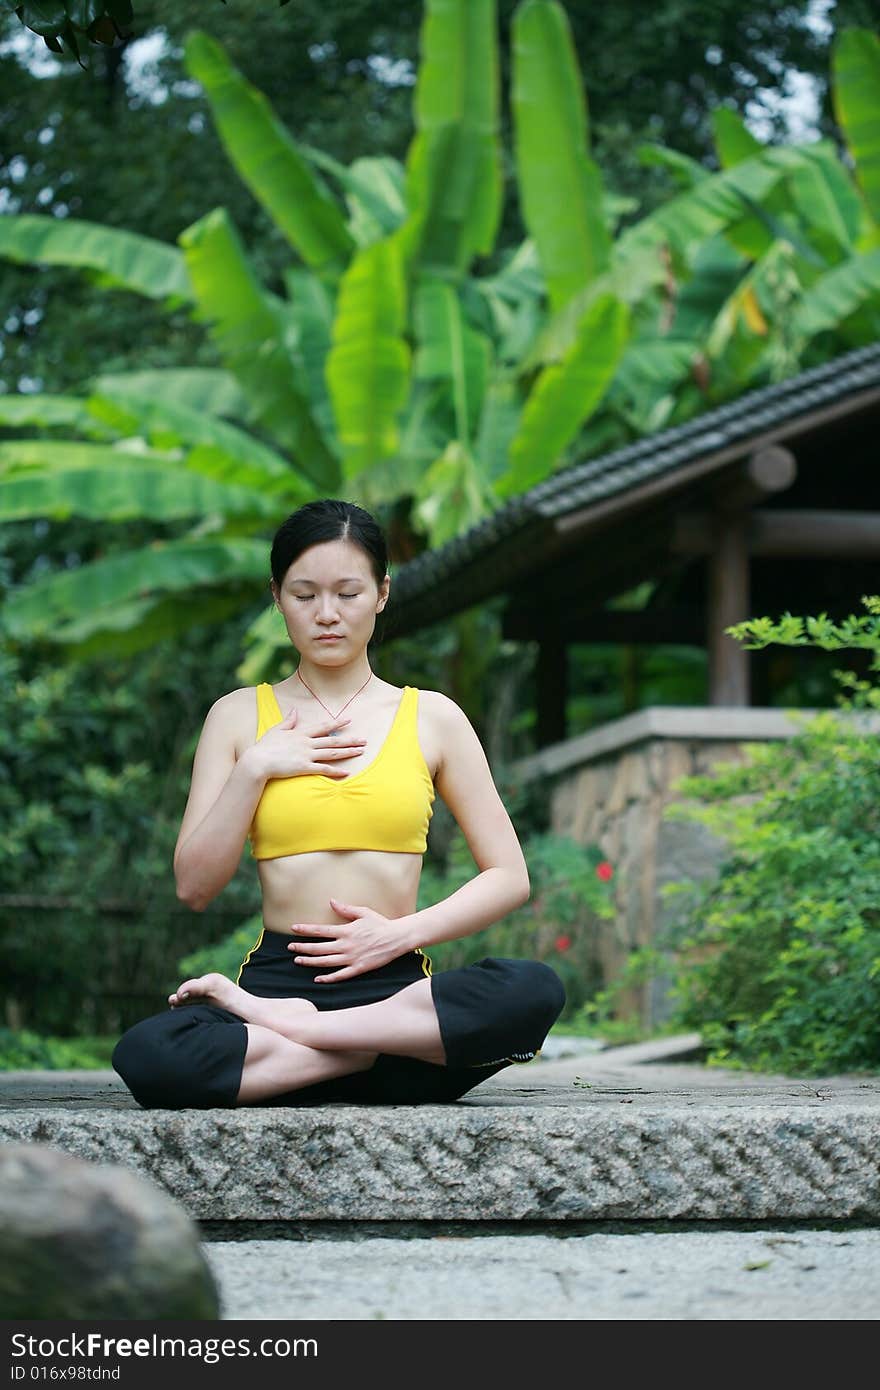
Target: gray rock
[{"x": 80, "y": 1239}]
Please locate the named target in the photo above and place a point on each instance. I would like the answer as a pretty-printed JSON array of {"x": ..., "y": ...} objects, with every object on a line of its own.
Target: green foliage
[
  {"x": 406, "y": 355},
  {"x": 94, "y": 768},
  {"x": 598, "y": 1017},
  {"x": 226, "y": 955},
  {"x": 858, "y": 630},
  {"x": 776, "y": 961},
  {"x": 25, "y": 1051},
  {"x": 339, "y": 75}
]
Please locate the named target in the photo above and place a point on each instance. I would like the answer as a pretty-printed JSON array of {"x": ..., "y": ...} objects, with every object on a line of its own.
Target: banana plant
[{"x": 404, "y": 357}]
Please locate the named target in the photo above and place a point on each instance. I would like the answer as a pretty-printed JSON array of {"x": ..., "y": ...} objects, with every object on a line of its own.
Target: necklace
[{"x": 347, "y": 703}]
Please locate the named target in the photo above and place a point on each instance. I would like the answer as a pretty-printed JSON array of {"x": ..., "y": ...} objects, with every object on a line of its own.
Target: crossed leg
[
  {"x": 274, "y": 1065},
  {"x": 292, "y": 1044}
]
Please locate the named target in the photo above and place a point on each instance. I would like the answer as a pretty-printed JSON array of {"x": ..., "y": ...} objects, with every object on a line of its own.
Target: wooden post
[
  {"x": 551, "y": 679},
  {"x": 728, "y": 603}
]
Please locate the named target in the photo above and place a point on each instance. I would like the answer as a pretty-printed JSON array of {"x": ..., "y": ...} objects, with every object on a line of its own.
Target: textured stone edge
[
  {"x": 721, "y": 724},
  {"x": 489, "y": 1163}
]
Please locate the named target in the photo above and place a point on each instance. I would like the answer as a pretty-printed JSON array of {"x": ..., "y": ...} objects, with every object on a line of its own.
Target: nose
[{"x": 327, "y": 609}]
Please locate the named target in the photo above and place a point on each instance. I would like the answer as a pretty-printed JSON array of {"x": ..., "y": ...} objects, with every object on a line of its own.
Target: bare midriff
[{"x": 297, "y": 888}]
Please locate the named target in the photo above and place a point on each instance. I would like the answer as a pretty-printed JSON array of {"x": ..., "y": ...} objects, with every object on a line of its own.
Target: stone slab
[
  {"x": 766, "y": 1274},
  {"x": 594, "y": 1137}
]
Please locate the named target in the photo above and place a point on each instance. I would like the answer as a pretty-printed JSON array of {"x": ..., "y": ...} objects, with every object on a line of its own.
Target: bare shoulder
[
  {"x": 440, "y": 709},
  {"x": 234, "y": 703},
  {"x": 445, "y": 733},
  {"x": 233, "y": 717}
]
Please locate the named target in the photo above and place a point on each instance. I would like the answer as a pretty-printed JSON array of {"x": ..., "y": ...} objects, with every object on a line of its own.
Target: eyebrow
[{"x": 353, "y": 579}]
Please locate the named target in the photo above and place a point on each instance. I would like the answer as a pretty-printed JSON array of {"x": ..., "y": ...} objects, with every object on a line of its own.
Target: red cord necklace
[{"x": 347, "y": 703}]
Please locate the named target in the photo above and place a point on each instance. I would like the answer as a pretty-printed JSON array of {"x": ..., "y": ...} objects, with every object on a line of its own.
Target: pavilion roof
[{"x": 535, "y": 531}]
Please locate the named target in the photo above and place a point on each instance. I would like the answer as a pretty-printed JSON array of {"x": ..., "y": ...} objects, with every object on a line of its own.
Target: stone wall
[{"x": 611, "y": 787}]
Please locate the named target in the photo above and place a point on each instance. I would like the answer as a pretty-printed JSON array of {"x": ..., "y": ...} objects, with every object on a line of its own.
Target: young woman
[{"x": 331, "y": 774}]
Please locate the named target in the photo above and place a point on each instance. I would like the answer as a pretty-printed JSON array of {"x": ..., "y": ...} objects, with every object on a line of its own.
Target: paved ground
[
  {"x": 787, "y": 1273},
  {"x": 805, "y": 1275},
  {"x": 340, "y": 1270},
  {"x": 570, "y": 1072}
]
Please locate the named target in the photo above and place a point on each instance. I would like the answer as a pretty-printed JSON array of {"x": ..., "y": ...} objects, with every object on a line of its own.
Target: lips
[{"x": 328, "y": 638}]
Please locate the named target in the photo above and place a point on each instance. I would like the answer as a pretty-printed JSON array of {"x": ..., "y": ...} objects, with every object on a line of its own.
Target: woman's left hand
[{"x": 363, "y": 942}]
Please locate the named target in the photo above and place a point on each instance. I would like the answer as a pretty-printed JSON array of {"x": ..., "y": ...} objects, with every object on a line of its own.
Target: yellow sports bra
[{"x": 386, "y": 806}]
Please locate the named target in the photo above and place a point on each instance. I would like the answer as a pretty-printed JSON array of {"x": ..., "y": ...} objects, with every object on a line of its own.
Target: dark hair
[{"x": 328, "y": 519}]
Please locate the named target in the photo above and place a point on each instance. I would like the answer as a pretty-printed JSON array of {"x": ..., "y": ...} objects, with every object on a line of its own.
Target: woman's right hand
[{"x": 286, "y": 750}]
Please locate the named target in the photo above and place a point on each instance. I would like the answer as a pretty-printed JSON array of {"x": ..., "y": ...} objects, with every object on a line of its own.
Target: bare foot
[
  {"x": 284, "y": 1016},
  {"x": 210, "y": 989}
]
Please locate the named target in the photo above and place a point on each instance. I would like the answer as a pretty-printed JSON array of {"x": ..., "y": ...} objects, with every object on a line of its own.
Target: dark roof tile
[{"x": 501, "y": 546}]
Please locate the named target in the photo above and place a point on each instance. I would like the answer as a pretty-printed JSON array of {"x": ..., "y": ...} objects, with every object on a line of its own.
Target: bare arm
[
  {"x": 222, "y": 799},
  {"x": 465, "y": 782}
]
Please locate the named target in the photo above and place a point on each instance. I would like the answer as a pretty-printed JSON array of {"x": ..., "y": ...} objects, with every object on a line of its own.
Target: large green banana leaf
[
  {"x": 855, "y": 69},
  {"x": 209, "y": 390},
  {"x": 499, "y": 422},
  {"x": 686, "y": 221},
  {"x": 168, "y": 425},
  {"x": 565, "y": 395},
  {"x": 643, "y": 389},
  {"x": 451, "y": 351},
  {"x": 513, "y": 300},
  {"x": 639, "y": 281},
  {"x": 817, "y": 193},
  {"x": 126, "y": 260},
  {"x": 815, "y": 207},
  {"x": 717, "y": 270},
  {"x": 249, "y": 333},
  {"x": 838, "y": 293},
  {"x": 686, "y": 171},
  {"x": 368, "y": 365},
  {"x": 453, "y": 163},
  {"x": 55, "y": 455},
  {"x": 734, "y": 142},
  {"x": 680, "y": 228},
  {"x": 50, "y": 412},
  {"x": 125, "y": 494},
  {"x": 267, "y": 158},
  {"x": 264, "y": 638},
  {"x": 752, "y": 235},
  {"x": 375, "y": 192},
  {"x": 720, "y": 204},
  {"x": 453, "y": 495},
  {"x": 829, "y": 206},
  {"x": 560, "y": 185},
  {"x": 423, "y": 433},
  {"x": 308, "y": 313},
  {"x": 166, "y": 567},
  {"x": 124, "y": 629},
  {"x": 735, "y": 345},
  {"x": 520, "y": 277},
  {"x": 777, "y": 219}
]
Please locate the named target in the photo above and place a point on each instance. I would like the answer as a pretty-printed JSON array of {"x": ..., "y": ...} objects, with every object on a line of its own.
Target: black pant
[{"x": 491, "y": 1014}]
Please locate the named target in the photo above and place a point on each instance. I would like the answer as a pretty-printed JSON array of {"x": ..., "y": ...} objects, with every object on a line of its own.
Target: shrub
[
  {"x": 777, "y": 960},
  {"x": 26, "y": 1051},
  {"x": 571, "y": 892},
  {"x": 226, "y": 956}
]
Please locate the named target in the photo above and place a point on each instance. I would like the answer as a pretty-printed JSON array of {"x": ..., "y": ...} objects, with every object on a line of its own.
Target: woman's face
[{"x": 329, "y": 599}]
